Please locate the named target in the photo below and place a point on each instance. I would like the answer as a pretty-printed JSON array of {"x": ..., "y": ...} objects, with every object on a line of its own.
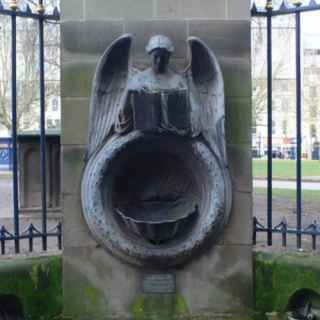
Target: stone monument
[
  {"x": 157, "y": 201},
  {"x": 156, "y": 186}
]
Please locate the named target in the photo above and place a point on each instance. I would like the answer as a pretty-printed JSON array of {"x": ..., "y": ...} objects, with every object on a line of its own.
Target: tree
[
  {"x": 28, "y": 86},
  {"x": 282, "y": 59}
]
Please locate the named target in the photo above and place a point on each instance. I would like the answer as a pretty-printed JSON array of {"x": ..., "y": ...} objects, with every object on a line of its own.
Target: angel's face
[{"x": 160, "y": 60}]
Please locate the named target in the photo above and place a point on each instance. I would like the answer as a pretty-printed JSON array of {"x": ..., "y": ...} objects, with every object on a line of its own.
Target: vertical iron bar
[
  {"x": 30, "y": 242},
  {"x": 43, "y": 134},
  {"x": 298, "y": 124},
  {"x": 30, "y": 237},
  {"x": 284, "y": 236},
  {"x": 254, "y": 235},
  {"x": 269, "y": 64},
  {"x": 14, "y": 129},
  {"x": 3, "y": 248},
  {"x": 2, "y": 237},
  {"x": 59, "y": 229},
  {"x": 314, "y": 242}
]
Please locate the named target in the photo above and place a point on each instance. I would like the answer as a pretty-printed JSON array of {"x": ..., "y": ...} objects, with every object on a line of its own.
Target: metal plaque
[{"x": 159, "y": 283}]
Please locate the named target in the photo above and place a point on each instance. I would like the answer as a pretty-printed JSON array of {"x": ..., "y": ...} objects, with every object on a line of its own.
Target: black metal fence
[
  {"x": 268, "y": 12},
  {"x": 31, "y": 233}
]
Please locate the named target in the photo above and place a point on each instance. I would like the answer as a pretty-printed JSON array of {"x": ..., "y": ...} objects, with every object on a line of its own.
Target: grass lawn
[
  {"x": 286, "y": 169},
  {"x": 307, "y": 195}
]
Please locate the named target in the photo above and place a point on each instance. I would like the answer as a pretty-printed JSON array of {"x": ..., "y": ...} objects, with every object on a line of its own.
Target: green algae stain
[
  {"x": 82, "y": 299},
  {"x": 36, "y": 283},
  {"x": 181, "y": 305},
  {"x": 40, "y": 276},
  {"x": 279, "y": 276},
  {"x": 92, "y": 295},
  {"x": 159, "y": 307}
]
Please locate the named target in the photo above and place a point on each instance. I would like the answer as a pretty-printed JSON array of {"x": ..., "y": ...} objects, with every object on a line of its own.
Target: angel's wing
[
  {"x": 108, "y": 92},
  {"x": 206, "y": 76}
]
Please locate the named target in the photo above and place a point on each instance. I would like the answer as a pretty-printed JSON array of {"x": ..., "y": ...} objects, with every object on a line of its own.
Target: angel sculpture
[
  {"x": 199, "y": 88},
  {"x": 156, "y": 156}
]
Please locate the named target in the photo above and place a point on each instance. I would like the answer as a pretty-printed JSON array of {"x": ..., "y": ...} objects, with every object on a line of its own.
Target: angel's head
[{"x": 160, "y": 48}]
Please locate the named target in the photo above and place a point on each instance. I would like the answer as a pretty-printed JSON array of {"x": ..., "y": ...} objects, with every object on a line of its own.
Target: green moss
[
  {"x": 36, "y": 282},
  {"x": 159, "y": 307},
  {"x": 82, "y": 300},
  {"x": 92, "y": 295},
  {"x": 181, "y": 305},
  {"x": 279, "y": 276}
]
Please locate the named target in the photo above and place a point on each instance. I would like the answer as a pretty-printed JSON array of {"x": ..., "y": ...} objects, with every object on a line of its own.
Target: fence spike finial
[
  {"x": 284, "y": 5},
  {"x": 28, "y": 9},
  {"x": 13, "y": 5},
  {"x": 40, "y": 8},
  {"x": 297, "y": 3},
  {"x": 254, "y": 8},
  {"x": 56, "y": 12},
  {"x": 313, "y": 3},
  {"x": 269, "y": 5},
  {"x": 2, "y": 230}
]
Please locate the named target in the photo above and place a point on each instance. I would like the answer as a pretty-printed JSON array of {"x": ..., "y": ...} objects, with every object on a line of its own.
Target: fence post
[
  {"x": 298, "y": 124},
  {"x": 42, "y": 127},
  {"x": 269, "y": 66},
  {"x": 14, "y": 125}
]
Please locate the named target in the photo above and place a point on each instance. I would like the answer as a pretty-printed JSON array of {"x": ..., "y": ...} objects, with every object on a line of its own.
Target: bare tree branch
[{"x": 28, "y": 85}]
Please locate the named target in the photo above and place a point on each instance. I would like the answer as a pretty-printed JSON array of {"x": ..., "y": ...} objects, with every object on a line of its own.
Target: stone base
[{"x": 216, "y": 286}]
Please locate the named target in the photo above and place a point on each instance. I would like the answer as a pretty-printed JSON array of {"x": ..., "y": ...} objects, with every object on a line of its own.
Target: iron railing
[
  {"x": 31, "y": 232},
  {"x": 268, "y": 12}
]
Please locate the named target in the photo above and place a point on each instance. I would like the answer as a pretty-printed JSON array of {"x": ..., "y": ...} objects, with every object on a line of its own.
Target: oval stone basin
[{"x": 158, "y": 221}]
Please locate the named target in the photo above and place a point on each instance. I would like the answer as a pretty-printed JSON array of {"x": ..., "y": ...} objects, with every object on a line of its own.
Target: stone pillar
[{"x": 217, "y": 283}]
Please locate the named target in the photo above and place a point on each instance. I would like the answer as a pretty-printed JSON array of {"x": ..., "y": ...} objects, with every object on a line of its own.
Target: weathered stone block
[
  {"x": 238, "y": 9},
  {"x": 239, "y": 228},
  {"x": 75, "y": 231},
  {"x": 75, "y": 114},
  {"x": 176, "y": 30},
  {"x": 77, "y": 78},
  {"x": 90, "y": 36},
  {"x": 238, "y": 120},
  {"x": 217, "y": 283},
  {"x": 112, "y": 9},
  {"x": 240, "y": 165},
  {"x": 103, "y": 288},
  {"x": 226, "y": 38},
  {"x": 73, "y": 158},
  {"x": 191, "y": 9},
  {"x": 72, "y": 9},
  {"x": 237, "y": 76}
]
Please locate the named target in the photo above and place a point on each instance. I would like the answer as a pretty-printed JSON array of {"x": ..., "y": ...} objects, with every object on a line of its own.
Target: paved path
[{"x": 278, "y": 184}]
